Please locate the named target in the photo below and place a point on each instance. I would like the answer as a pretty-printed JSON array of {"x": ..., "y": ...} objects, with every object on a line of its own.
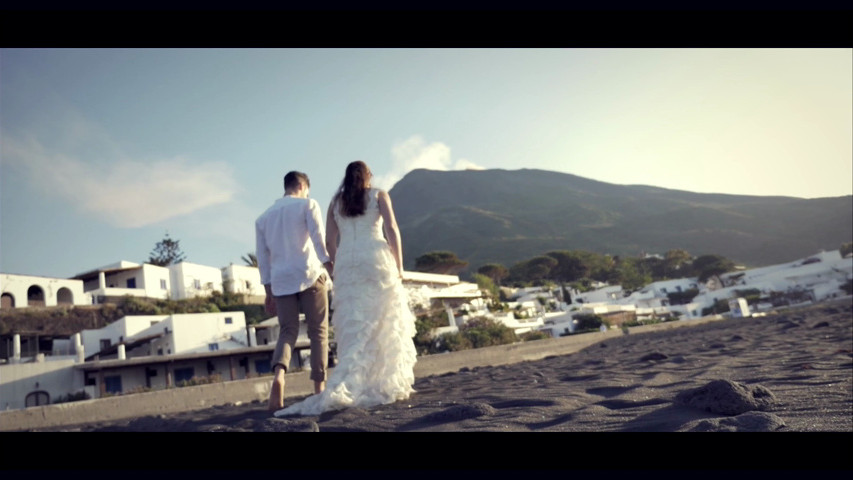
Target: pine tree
[{"x": 166, "y": 252}]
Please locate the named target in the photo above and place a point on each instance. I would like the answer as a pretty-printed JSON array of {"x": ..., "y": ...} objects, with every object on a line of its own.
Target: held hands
[
  {"x": 269, "y": 301},
  {"x": 269, "y": 305}
]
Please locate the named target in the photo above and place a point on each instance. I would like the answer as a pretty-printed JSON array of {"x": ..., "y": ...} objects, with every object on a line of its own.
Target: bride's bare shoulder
[{"x": 381, "y": 194}]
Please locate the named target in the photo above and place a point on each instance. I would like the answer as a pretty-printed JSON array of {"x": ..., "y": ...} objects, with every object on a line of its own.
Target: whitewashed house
[
  {"x": 529, "y": 293},
  {"x": 558, "y": 324},
  {"x": 611, "y": 293},
  {"x": 137, "y": 353},
  {"x": 542, "y": 297},
  {"x": 145, "y": 335},
  {"x": 40, "y": 380},
  {"x": 117, "y": 280},
  {"x": 520, "y": 325},
  {"x": 20, "y": 291},
  {"x": 243, "y": 280},
  {"x": 663, "y": 288},
  {"x": 427, "y": 290},
  {"x": 688, "y": 311},
  {"x": 190, "y": 280},
  {"x": 104, "y": 341}
]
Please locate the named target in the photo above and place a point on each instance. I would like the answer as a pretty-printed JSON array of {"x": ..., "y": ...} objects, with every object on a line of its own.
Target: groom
[{"x": 294, "y": 265}]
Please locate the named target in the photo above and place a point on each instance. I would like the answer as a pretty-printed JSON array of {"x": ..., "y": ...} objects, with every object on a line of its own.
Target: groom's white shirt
[{"x": 290, "y": 245}]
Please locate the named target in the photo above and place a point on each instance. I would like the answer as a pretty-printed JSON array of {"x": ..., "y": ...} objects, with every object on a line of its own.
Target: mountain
[{"x": 506, "y": 216}]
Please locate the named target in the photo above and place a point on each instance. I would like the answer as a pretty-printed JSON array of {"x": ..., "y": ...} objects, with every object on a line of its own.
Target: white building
[
  {"x": 243, "y": 280},
  {"x": 145, "y": 335},
  {"x": 38, "y": 381},
  {"x": 663, "y": 288},
  {"x": 610, "y": 293},
  {"x": 20, "y": 291},
  {"x": 137, "y": 353},
  {"x": 558, "y": 324},
  {"x": 126, "y": 278},
  {"x": 430, "y": 289},
  {"x": 191, "y": 280},
  {"x": 520, "y": 325}
]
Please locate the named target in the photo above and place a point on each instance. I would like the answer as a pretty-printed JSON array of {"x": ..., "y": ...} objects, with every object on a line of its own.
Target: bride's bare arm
[
  {"x": 331, "y": 233},
  {"x": 392, "y": 232}
]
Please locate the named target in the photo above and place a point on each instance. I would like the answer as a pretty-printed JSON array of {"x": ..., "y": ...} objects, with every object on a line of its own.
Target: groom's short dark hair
[{"x": 294, "y": 178}]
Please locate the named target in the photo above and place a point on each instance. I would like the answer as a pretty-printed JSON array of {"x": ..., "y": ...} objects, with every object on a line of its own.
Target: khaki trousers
[{"x": 314, "y": 302}]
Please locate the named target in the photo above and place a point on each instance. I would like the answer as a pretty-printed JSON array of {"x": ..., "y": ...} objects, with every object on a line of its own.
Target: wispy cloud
[
  {"x": 123, "y": 192},
  {"x": 413, "y": 153}
]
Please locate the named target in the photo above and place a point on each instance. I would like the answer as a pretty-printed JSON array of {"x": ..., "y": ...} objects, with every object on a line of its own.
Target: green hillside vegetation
[
  {"x": 580, "y": 269},
  {"x": 504, "y": 217}
]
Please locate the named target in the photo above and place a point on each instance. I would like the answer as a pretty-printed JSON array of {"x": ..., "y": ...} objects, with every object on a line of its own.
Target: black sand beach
[
  {"x": 790, "y": 372},
  {"x": 786, "y": 372}
]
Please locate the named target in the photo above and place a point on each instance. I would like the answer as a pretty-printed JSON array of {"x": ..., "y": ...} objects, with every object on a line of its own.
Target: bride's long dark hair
[{"x": 351, "y": 197}]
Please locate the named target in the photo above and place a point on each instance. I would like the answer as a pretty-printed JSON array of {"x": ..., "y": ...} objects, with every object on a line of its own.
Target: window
[
  {"x": 248, "y": 285},
  {"x": 197, "y": 284},
  {"x": 663, "y": 290},
  {"x": 162, "y": 284},
  {"x": 112, "y": 384},
  {"x": 37, "y": 398},
  {"x": 213, "y": 347},
  {"x": 131, "y": 283},
  {"x": 105, "y": 343},
  {"x": 262, "y": 366},
  {"x": 8, "y": 301},
  {"x": 229, "y": 320},
  {"x": 184, "y": 374}
]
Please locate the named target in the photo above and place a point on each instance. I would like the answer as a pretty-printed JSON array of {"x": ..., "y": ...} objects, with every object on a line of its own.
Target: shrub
[
  {"x": 476, "y": 333},
  {"x": 451, "y": 342},
  {"x": 587, "y": 321},
  {"x": 751, "y": 295},
  {"x": 73, "y": 397},
  {"x": 139, "y": 389},
  {"x": 682, "y": 298},
  {"x": 533, "y": 335},
  {"x": 215, "y": 378},
  {"x": 424, "y": 325},
  {"x": 498, "y": 307},
  {"x": 720, "y": 306},
  {"x": 485, "y": 332}
]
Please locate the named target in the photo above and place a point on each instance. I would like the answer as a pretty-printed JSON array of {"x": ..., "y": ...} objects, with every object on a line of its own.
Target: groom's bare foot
[
  {"x": 277, "y": 391},
  {"x": 319, "y": 386}
]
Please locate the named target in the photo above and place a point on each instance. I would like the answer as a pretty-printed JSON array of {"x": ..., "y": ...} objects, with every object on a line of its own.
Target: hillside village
[{"x": 139, "y": 353}]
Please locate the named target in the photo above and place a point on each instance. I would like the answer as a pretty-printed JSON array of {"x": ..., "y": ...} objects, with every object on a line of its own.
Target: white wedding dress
[{"x": 372, "y": 322}]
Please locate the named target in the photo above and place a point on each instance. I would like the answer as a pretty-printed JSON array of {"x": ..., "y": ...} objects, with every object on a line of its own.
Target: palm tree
[{"x": 251, "y": 260}]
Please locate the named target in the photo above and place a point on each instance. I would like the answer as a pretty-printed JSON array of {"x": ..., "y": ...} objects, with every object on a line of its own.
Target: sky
[{"x": 105, "y": 151}]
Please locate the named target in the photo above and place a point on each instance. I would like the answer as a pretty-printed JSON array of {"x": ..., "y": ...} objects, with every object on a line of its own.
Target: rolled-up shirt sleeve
[{"x": 317, "y": 230}]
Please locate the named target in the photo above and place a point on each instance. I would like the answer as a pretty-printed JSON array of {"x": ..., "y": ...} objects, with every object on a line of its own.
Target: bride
[{"x": 373, "y": 323}]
